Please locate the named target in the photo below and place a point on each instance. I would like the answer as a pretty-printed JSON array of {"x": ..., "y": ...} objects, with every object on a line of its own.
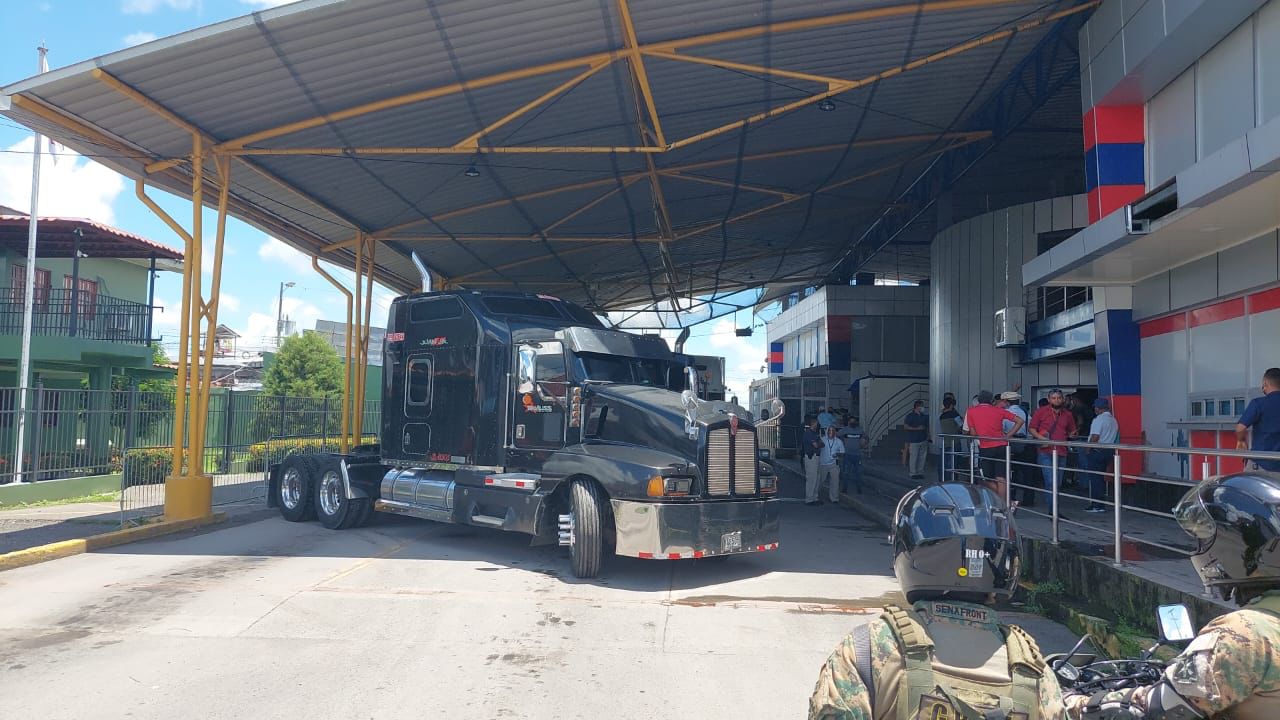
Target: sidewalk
[
  {"x": 1085, "y": 534},
  {"x": 26, "y": 527}
]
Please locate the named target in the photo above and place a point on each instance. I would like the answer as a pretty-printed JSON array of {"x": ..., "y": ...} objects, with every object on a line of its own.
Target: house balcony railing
[{"x": 66, "y": 313}]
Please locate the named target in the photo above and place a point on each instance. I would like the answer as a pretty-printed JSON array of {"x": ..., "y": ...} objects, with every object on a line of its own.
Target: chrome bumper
[{"x": 671, "y": 531}]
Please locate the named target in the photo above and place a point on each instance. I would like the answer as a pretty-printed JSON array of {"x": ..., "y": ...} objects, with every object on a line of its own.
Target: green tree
[{"x": 306, "y": 366}]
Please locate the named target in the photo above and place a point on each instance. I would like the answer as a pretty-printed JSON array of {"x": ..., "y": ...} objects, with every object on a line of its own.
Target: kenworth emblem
[{"x": 733, "y": 425}]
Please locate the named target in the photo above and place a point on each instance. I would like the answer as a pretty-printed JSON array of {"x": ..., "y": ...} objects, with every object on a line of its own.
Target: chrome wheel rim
[
  {"x": 291, "y": 488},
  {"x": 330, "y": 492}
]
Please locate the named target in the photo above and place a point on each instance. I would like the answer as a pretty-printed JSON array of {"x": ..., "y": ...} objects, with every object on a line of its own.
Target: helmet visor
[
  {"x": 938, "y": 523},
  {"x": 1194, "y": 518}
]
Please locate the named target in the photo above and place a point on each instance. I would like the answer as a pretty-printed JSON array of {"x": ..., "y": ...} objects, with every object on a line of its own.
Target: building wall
[
  {"x": 1231, "y": 89},
  {"x": 120, "y": 279},
  {"x": 976, "y": 270}
]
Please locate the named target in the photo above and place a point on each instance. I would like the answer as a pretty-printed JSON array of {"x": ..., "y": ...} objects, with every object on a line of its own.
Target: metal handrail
[
  {"x": 957, "y": 446},
  {"x": 882, "y": 415}
]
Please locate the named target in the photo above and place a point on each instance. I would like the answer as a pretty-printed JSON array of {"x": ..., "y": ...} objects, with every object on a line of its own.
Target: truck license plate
[{"x": 731, "y": 541}]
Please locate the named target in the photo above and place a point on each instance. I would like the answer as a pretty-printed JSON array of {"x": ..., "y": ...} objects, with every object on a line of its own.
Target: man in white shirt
[
  {"x": 829, "y": 463},
  {"x": 1105, "y": 430},
  {"x": 1020, "y": 452}
]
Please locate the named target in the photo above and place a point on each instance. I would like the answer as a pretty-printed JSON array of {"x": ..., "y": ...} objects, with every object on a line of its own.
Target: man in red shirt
[
  {"x": 1053, "y": 422},
  {"x": 986, "y": 422}
]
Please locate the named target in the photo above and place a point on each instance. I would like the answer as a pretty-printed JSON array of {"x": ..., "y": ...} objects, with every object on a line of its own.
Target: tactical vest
[{"x": 930, "y": 692}]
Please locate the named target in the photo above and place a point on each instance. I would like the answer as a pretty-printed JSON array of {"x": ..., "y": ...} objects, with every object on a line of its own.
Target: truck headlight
[{"x": 669, "y": 486}]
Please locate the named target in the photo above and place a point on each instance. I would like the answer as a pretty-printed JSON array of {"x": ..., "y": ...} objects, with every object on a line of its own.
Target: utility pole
[{"x": 280, "y": 312}]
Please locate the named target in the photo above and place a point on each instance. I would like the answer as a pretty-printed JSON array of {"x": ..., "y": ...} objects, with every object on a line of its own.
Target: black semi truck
[{"x": 523, "y": 413}]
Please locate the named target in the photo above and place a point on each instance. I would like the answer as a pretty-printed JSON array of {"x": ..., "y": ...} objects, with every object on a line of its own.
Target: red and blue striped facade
[
  {"x": 775, "y": 358},
  {"x": 1114, "y": 139}
]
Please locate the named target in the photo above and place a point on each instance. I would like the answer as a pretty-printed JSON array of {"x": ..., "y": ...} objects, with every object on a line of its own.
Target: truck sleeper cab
[{"x": 522, "y": 412}]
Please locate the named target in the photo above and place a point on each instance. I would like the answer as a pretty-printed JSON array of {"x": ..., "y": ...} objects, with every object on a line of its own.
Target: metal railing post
[
  {"x": 37, "y": 431},
  {"x": 1008, "y": 474},
  {"x": 1205, "y": 472},
  {"x": 324, "y": 424},
  {"x": 1053, "y": 484},
  {"x": 973, "y": 462},
  {"x": 1118, "y": 510},
  {"x": 130, "y": 419}
]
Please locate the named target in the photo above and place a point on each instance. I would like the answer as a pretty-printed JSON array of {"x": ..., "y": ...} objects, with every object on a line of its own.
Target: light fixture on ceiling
[
  {"x": 826, "y": 105},
  {"x": 471, "y": 171}
]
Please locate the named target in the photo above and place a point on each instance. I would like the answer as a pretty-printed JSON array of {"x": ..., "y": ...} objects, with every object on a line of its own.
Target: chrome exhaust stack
[{"x": 422, "y": 270}]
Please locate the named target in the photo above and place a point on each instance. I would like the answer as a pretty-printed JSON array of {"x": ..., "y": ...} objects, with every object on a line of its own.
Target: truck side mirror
[
  {"x": 689, "y": 399},
  {"x": 1175, "y": 623},
  {"x": 691, "y": 379},
  {"x": 524, "y": 380}
]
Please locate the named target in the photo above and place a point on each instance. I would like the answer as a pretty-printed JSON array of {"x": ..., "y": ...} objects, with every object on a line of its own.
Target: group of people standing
[
  {"x": 998, "y": 422},
  {"x": 832, "y": 453}
]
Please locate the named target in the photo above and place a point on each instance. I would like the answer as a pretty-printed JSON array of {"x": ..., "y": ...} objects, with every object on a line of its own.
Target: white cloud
[
  {"x": 266, "y": 3},
  {"x": 71, "y": 187},
  {"x": 137, "y": 38},
  {"x": 228, "y": 302},
  {"x": 272, "y": 250},
  {"x": 146, "y": 7},
  {"x": 743, "y": 356},
  {"x": 260, "y": 328}
]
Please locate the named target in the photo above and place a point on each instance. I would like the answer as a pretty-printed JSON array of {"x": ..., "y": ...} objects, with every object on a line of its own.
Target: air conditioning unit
[{"x": 1011, "y": 327}]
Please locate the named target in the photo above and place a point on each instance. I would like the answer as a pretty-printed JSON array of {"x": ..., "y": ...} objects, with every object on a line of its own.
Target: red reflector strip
[
  {"x": 698, "y": 553},
  {"x": 646, "y": 556},
  {"x": 488, "y": 481},
  {"x": 673, "y": 556}
]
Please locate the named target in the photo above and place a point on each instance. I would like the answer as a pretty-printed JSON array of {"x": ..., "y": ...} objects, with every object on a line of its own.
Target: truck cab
[{"x": 523, "y": 413}]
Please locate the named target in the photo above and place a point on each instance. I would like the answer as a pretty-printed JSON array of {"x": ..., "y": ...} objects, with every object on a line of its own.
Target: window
[
  {"x": 418, "y": 382},
  {"x": 440, "y": 308},
  {"x": 88, "y": 295},
  {"x": 18, "y": 280},
  {"x": 522, "y": 306},
  {"x": 1224, "y": 407},
  {"x": 1197, "y": 408}
]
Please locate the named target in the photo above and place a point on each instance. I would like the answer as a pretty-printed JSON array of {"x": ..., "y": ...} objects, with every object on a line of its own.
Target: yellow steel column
[
  {"x": 223, "y": 166},
  {"x": 188, "y": 491},
  {"x": 355, "y": 400},
  {"x": 346, "y": 377},
  {"x": 363, "y": 348}
]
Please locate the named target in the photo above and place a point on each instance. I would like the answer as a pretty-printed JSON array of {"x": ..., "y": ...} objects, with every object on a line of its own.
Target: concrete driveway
[{"x": 412, "y": 619}]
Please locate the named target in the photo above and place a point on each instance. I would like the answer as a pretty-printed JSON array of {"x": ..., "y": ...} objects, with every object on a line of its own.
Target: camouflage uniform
[
  {"x": 1231, "y": 671},
  {"x": 968, "y": 640}
]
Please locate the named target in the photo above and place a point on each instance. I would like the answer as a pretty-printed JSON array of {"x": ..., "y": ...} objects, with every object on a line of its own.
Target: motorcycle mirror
[
  {"x": 1175, "y": 623},
  {"x": 1068, "y": 672}
]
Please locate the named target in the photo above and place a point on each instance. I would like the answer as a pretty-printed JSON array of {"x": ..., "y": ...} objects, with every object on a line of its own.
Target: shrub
[
  {"x": 146, "y": 466},
  {"x": 260, "y": 454}
]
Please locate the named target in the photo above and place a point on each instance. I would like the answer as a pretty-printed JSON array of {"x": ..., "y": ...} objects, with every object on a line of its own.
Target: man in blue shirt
[
  {"x": 917, "y": 426},
  {"x": 1262, "y": 417}
]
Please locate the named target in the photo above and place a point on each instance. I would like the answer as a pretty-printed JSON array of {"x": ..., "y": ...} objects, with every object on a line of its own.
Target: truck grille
[{"x": 731, "y": 462}]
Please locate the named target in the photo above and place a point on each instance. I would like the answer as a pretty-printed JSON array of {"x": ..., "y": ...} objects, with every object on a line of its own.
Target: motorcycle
[{"x": 1083, "y": 673}]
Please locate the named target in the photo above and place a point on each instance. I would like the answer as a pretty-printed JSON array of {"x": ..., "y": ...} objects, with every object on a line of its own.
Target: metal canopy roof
[{"x": 606, "y": 151}]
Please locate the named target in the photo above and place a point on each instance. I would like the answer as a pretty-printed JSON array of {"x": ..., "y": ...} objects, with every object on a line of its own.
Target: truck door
[{"x": 539, "y": 407}]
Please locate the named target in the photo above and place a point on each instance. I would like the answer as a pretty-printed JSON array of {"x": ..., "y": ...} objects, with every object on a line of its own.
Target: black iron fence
[
  {"x": 76, "y": 433},
  {"x": 70, "y": 313}
]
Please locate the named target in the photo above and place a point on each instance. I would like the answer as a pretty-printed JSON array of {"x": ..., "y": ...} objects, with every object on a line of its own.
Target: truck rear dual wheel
[
  {"x": 295, "y": 490},
  {"x": 332, "y": 506},
  {"x": 586, "y": 503}
]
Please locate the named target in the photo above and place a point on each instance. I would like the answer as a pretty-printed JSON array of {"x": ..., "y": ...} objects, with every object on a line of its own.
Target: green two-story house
[{"x": 94, "y": 292}]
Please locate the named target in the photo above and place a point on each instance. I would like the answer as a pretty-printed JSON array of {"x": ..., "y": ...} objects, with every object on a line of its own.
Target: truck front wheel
[{"x": 586, "y": 503}]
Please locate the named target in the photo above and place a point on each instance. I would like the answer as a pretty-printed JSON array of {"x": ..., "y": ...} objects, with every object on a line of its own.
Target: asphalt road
[{"x": 412, "y": 619}]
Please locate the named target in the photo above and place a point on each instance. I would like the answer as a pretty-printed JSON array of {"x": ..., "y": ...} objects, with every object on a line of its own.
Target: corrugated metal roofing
[{"x": 587, "y": 225}]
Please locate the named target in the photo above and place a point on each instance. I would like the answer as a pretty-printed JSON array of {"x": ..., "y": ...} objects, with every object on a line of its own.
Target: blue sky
[{"x": 254, "y": 264}]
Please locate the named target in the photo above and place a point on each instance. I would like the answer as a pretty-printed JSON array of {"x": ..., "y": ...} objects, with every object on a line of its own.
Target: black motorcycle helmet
[
  {"x": 954, "y": 541},
  {"x": 1235, "y": 520}
]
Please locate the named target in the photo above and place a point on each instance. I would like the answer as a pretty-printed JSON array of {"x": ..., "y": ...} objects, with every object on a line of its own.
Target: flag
[{"x": 54, "y": 147}]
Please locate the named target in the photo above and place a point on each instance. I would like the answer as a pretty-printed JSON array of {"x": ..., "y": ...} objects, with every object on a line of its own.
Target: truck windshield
[{"x": 628, "y": 370}]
